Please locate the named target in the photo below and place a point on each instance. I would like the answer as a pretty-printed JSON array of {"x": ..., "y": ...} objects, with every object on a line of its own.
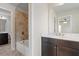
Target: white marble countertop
[
  {"x": 3, "y": 32},
  {"x": 66, "y": 36}
]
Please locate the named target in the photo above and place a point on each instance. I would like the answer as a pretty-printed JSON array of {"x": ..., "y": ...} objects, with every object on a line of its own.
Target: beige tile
[{"x": 5, "y": 50}]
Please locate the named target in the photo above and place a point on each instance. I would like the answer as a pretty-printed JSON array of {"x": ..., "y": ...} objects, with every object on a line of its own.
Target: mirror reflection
[
  {"x": 67, "y": 17},
  {"x": 5, "y": 19}
]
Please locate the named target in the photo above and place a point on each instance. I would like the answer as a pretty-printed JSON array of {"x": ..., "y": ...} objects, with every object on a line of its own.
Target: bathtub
[{"x": 23, "y": 47}]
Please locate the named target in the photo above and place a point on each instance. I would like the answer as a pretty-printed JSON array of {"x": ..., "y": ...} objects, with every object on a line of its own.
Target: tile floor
[{"x": 5, "y": 50}]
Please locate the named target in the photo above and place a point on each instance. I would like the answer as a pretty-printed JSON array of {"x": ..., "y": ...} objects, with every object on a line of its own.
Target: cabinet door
[
  {"x": 51, "y": 50},
  {"x": 44, "y": 46},
  {"x": 67, "y": 48},
  {"x": 66, "y": 51},
  {"x": 48, "y": 47}
]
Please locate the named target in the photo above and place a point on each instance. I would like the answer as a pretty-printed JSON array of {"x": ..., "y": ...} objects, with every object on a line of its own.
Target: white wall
[
  {"x": 52, "y": 16},
  {"x": 74, "y": 20},
  {"x": 39, "y": 24}
]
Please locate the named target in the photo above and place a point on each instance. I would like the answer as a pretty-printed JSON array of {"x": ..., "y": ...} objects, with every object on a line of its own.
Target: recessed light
[
  {"x": 65, "y": 22},
  {"x": 59, "y": 4}
]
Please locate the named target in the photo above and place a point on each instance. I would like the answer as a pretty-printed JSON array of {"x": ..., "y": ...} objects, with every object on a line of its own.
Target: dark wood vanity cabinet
[
  {"x": 59, "y": 47},
  {"x": 48, "y": 47}
]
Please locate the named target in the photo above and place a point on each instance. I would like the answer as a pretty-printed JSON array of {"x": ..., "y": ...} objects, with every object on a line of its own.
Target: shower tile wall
[{"x": 21, "y": 25}]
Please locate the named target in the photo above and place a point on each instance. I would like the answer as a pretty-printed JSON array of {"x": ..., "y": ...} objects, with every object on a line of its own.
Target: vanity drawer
[{"x": 49, "y": 41}]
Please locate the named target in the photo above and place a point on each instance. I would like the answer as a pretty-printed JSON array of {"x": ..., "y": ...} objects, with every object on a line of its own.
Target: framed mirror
[{"x": 66, "y": 17}]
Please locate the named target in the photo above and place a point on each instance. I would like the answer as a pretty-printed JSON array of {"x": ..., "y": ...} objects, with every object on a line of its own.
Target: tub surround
[
  {"x": 23, "y": 47},
  {"x": 21, "y": 25},
  {"x": 21, "y": 28}
]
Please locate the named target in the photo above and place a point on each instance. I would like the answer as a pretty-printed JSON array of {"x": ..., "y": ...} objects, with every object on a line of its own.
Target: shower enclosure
[{"x": 21, "y": 29}]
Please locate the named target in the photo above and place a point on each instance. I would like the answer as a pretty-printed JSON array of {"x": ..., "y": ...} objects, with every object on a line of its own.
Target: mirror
[
  {"x": 2, "y": 25},
  {"x": 67, "y": 17},
  {"x": 5, "y": 21}
]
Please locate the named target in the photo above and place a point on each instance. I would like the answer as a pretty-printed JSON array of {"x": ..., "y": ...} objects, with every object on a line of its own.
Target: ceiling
[
  {"x": 65, "y": 7},
  {"x": 4, "y": 13},
  {"x": 23, "y": 6}
]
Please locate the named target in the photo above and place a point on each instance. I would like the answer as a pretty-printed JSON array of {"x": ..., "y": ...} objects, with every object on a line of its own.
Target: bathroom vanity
[
  {"x": 60, "y": 46},
  {"x": 62, "y": 38},
  {"x": 3, "y": 38}
]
